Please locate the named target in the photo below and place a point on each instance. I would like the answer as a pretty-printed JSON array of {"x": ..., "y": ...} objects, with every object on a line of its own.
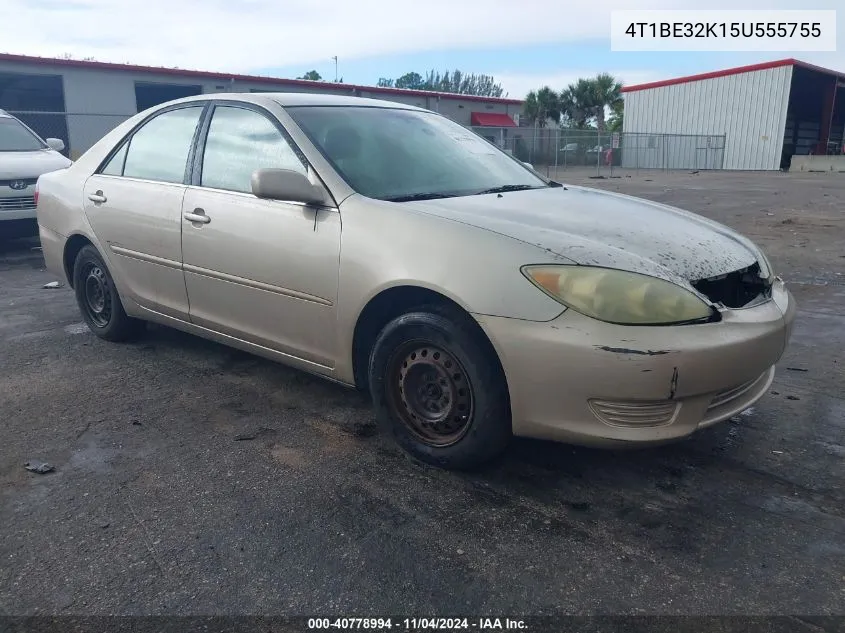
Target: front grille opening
[
  {"x": 634, "y": 413},
  {"x": 20, "y": 203},
  {"x": 736, "y": 289}
]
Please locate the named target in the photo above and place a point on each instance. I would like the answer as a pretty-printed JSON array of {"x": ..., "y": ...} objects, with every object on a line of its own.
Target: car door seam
[{"x": 182, "y": 250}]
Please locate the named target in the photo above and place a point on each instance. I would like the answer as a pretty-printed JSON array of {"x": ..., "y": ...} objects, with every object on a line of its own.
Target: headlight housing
[{"x": 618, "y": 296}]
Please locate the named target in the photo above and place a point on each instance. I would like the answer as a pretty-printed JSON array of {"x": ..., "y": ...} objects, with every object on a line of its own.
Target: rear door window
[
  {"x": 159, "y": 150},
  {"x": 115, "y": 166}
]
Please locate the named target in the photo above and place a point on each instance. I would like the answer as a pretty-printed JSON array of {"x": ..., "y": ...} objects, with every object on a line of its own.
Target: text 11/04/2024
[{"x": 418, "y": 624}]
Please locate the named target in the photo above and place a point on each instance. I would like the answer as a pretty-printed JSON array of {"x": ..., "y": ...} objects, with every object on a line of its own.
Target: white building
[
  {"x": 752, "y": 117},
  {"x": 79, "y": 101}
]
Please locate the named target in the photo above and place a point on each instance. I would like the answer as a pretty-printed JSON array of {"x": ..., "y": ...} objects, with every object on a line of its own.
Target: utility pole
[{"x": 335, "y": 68}]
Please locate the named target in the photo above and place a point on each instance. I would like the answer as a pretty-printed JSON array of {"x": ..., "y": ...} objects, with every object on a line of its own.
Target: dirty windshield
[
  {"x": 14, "y": 137},
  {"x": 399, "y": 155}
]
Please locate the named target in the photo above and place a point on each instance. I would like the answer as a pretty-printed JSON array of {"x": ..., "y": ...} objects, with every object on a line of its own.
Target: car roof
[
  {"x": 305, "y": 99},
  {"x": 293, "y": 99}
]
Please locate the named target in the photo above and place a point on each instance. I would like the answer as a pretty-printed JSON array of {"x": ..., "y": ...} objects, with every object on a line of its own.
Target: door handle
[
  {"x": 197, "y": 215},
  {"x": 97, "y": 197}
]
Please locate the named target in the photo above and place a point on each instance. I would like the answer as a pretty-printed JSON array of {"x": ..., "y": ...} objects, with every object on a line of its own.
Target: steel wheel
[
  {"x": 430, "y": 391},
  {"x": 98, "y": 299},
  {"x": 98, "y": 295}
]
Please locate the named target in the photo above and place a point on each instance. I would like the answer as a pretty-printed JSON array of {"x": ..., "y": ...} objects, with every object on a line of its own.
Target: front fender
[{"x": 386, "y": 245}]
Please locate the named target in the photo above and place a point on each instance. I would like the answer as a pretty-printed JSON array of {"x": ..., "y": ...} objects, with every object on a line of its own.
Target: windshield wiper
[
  {"x": 432, "y": 195},
  {"x": 506, "y": 188}
]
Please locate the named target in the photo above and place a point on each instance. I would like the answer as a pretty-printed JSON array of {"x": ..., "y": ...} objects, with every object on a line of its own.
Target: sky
[{"x": 524, "y": 45}]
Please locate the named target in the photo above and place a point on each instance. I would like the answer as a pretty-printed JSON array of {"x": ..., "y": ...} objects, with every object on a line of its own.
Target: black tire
[
  {"x": 98, "y": 300},
  {"x": 460, "y": 419}
]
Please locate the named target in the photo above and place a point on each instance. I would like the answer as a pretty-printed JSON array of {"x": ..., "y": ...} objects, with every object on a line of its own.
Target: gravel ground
[{"x": 194, "y": 479}]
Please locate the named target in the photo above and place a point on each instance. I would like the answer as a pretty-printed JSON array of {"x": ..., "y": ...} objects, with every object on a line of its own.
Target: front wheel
[
  {"x": 438, "y": 386},
  {"x": 98, "y": 300}
]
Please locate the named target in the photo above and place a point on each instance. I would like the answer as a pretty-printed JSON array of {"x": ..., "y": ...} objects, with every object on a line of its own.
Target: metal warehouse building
[
  {"x": 80, "y": 101},
  {"x": 752, "y": 117}
]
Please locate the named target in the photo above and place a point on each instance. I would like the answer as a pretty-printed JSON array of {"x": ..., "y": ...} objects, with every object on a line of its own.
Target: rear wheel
[
  {"x": 438, "y": 387},
  {"x": 98, "y": 300}
]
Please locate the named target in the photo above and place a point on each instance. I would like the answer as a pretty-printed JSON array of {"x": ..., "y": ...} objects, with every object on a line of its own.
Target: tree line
[
  {"x": 313, "y": 75},
  {"x": 579, "y": 105},
  {"x": 455, "y": 81},
  {"x": 582, "y": 105}
]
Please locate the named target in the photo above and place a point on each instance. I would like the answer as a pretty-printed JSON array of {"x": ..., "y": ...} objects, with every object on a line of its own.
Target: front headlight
[{"x": 618, "y": 296}]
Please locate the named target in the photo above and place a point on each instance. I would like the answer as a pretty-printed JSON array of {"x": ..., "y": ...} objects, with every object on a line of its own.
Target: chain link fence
[
  {"x": 79, "y": 131},
  {"x": 552, "y": 150}
]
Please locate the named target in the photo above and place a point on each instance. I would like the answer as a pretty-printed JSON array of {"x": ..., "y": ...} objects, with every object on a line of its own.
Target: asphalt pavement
[{"x": 191, "y": 478}]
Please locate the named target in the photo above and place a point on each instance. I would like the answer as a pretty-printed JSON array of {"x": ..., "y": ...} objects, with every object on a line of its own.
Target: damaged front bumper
[{"x": 576, "y": 379}]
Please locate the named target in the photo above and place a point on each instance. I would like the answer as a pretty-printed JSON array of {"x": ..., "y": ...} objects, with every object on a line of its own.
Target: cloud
[
  {"x": 242, "y": 35},
  {"x": 236, "y": 36}
]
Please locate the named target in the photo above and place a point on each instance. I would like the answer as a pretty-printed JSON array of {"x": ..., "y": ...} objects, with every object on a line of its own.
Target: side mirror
[
  {"x": 285, "y": 184},
  {"x": 529, "y": 165},
  {"x": 55, "y": 144}
]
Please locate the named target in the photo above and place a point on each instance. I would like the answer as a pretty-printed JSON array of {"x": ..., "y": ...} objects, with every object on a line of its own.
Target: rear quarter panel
[
  {"x": 60, "y": 216},
  {"x": 60, "y": 202}
]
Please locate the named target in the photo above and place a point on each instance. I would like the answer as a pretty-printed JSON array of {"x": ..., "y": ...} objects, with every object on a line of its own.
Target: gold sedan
[{"x": 390, "y": 249}]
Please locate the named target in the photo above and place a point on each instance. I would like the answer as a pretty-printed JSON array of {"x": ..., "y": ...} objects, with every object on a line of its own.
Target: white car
[{"x": 24, "y": 156}]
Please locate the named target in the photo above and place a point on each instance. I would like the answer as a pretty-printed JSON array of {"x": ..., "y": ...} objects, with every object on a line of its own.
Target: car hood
[
  {"x": 30, "y": 164},
  {"x": 591, "y": 227}
]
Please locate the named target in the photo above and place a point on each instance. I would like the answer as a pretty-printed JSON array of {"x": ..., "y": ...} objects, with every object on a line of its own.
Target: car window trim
[
  {"x": 196, "y": 175},
  {"x": 112, "y": 153},
  {"x": 127, "y": 141},
  {"x": 120, "y": 148},
  {"x": 164, "y": 183},
  {"x": 251, "y": 196}
]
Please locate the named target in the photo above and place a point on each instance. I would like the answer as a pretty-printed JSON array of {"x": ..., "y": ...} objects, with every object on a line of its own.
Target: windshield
[
  {"x": 394, "y": 154},
  {"x": 14, "y": 137}
]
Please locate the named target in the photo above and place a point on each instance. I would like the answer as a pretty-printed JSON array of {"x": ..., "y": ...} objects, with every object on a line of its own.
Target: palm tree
[
  {"x": 549, "y": 104},
  {"x": 576, "y": 102},
  {"x": 617, "y": 113},
  {"x": 606, "y": 93},
  {"x": 311, "y": 75},
  {"x": 542, "y": 105}
]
